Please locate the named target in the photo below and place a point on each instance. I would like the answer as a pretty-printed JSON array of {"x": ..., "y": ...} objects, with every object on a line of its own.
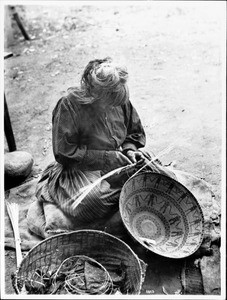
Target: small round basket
[
  {"x": 162, "y": 215},
  {"x": 107, "y": 250}
]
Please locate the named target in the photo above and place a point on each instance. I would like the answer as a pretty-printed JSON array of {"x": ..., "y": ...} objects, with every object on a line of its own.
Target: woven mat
[{"x": 163, "y": 276}]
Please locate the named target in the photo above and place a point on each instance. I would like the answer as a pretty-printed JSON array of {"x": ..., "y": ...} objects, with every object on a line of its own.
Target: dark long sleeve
[
  {"x": 135, "y": 137},
  {"x": 66, "y": 139}
]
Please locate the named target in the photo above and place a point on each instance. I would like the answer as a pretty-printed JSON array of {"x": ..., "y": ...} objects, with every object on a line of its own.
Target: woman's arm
[
  {"x": 136, "y": 137},
  {"x": 66, "y": 142}
]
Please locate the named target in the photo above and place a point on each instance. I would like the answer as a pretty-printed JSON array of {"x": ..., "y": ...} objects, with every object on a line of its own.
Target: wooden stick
[
  {"x": 8, "y": 128},
  {"x": 19, "y": 23}
]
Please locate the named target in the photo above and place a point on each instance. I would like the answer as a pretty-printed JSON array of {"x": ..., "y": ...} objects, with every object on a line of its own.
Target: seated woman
[{"x": 95, "y": 130}]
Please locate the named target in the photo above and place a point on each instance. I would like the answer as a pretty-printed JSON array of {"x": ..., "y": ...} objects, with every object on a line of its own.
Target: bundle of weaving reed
[
  {"x": 79, "y": 275},
  {"x": 13, "y": 212}
]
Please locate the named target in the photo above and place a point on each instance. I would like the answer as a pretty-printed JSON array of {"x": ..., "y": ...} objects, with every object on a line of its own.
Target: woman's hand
[
  {"x": 135, "y": 156},
  {"x": 114, "y": 160},
  {"x": 141, "y": 160}
]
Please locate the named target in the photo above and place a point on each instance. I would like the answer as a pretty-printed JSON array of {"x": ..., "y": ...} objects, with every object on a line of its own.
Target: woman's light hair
[{"x": 103, "y": 79}]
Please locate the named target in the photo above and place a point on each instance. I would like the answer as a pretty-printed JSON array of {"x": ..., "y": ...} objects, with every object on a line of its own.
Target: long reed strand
[
  {"x": 87, "y": 189},
  {"x": 164, "y": 151},
  {"x": 13, "y": 212}
]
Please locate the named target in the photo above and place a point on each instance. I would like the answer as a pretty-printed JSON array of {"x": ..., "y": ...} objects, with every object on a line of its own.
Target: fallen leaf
[
  {"x": 178, "y": 292},
  {"x": 164, "y": 291},
  {"x": 158, "y": 78},
  {"x": 55, "y": 74}
]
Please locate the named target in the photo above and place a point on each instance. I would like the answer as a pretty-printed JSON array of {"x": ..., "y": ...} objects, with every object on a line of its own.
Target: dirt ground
[{"x": 173, "y": 55}]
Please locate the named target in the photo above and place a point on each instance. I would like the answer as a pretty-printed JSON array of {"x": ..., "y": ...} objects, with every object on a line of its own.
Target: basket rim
[
  {"x": 178, "y": 183},
  {"x": 82, "y": 231}
]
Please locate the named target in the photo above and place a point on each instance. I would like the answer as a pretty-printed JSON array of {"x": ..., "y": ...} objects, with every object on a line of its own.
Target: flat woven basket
[{"x": 104, "y": 248}]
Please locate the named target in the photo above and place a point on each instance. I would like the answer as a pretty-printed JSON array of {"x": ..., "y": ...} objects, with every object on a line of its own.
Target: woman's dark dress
[{"x": 85, "y": 139}]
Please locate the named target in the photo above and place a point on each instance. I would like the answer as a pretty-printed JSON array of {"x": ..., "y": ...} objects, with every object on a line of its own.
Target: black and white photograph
[{"x": 113, "y": 152}]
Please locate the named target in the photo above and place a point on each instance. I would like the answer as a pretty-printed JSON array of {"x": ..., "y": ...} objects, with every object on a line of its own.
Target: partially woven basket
[{"x": 104, "y": 248}]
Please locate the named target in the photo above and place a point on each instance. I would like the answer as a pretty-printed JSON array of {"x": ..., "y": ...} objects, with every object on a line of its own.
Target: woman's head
[{"x": 105, "y": 82}]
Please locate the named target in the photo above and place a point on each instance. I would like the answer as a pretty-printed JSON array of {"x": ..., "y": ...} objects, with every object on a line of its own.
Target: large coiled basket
[
  {"x": 162, "y": 215},
  {"x": 104, "y": 248}
]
